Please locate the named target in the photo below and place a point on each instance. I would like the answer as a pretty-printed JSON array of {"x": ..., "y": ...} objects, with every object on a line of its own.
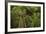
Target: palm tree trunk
[
  {"x": 21, "y": 25},
  {"x": 24, "y": 21}
]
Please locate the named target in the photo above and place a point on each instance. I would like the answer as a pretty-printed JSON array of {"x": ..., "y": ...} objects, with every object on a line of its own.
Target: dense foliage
[{"x": 25, "y": 16}]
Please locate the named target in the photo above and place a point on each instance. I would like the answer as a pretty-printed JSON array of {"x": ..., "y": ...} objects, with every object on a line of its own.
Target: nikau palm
[{"x": 24, "y": 16}]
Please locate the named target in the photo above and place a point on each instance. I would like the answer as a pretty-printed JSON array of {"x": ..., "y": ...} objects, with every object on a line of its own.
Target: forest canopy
[{"x": 25, "y": 16}]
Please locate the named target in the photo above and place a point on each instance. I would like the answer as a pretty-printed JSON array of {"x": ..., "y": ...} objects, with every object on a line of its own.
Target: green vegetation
[{"x": 25, "y": 16}]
